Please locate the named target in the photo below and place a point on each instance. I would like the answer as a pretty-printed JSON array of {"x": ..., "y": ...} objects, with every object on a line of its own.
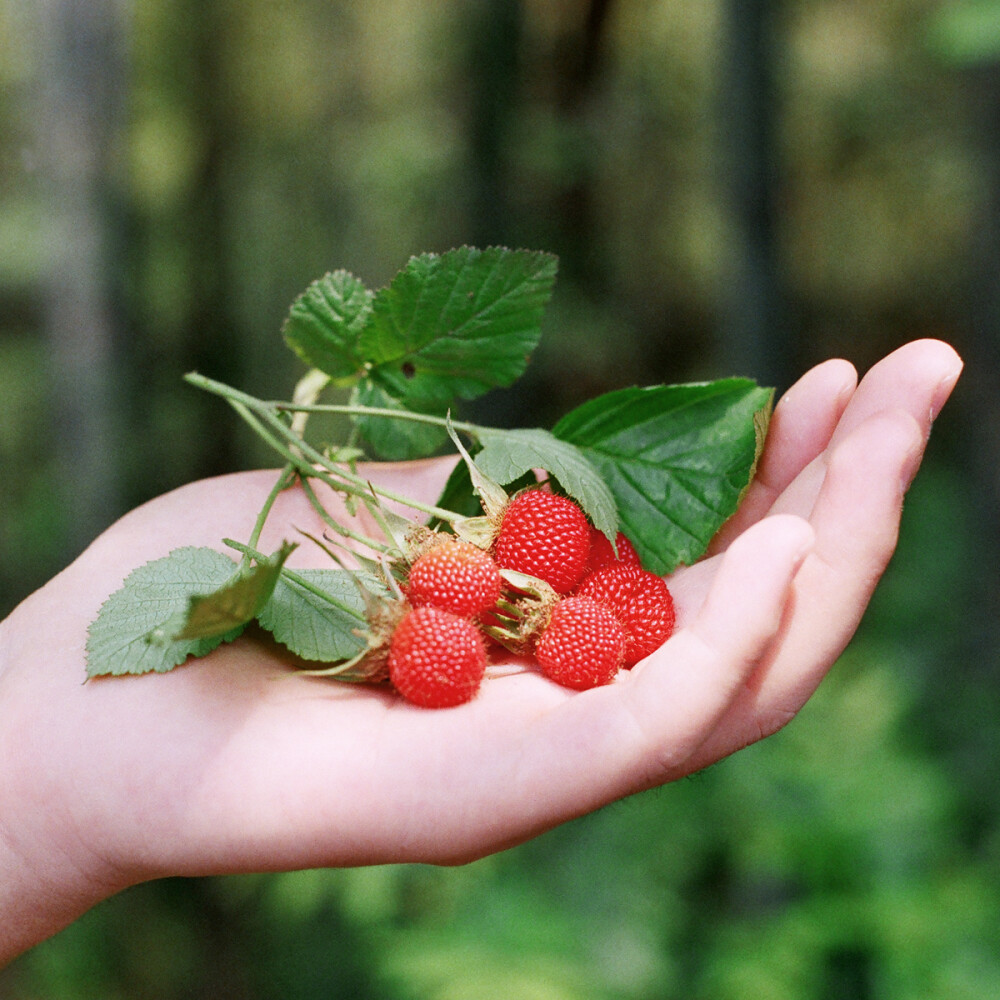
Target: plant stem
[
  {"x": 284, "y": 480},
  {"x": 249, "y": 552},
  {"x": 258, "y": 413},
  {"x": 341, "y": 529},
  {"x": 377, "y": 411}
]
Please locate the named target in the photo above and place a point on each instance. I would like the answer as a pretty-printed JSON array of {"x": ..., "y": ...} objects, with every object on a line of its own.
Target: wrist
[
  {"x": 47, "y": 879},
  {"x": 36, "y": 903}
]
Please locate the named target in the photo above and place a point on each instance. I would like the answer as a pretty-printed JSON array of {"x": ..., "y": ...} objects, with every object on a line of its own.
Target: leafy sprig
[{"x": 666, "y": 464}]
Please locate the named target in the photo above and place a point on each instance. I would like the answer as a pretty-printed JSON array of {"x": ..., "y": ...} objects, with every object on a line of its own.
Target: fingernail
[{"x": 943, "y": 391}]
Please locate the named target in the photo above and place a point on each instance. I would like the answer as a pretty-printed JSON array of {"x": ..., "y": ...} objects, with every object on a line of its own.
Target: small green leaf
[
  {"x": 235, "y": 603},
  {"x": 457, "y": 324},
  {"x": 508, "y": 455},
  {"x": 133, "y": 631},
  {"x": 676, "y": 458},
  {"x": 301, "y": 615},
  {"x": 325, "y": 322}
]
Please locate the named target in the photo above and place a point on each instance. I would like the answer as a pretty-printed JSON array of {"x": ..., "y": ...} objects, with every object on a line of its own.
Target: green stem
[
  {"x": 249, "y": 552},
  {"x": 282, "y": 483},
  {"x": 341, "y": 529},
  {"x": 306, "y": 469},
  {"x": 254, "y": 411},
  {"x": 354, "y": 409}
]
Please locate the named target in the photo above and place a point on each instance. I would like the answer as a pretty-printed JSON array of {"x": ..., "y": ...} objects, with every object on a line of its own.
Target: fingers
[
  {"x": 916, "y": 378},
  {"x": 856, "y": 520},
  {"x": 802, "y": 424},
  {"x": 823, "y": 408}
]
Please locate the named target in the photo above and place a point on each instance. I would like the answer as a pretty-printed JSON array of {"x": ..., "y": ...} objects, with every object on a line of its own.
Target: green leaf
[
  {"x": 235, "y": 603},
  {"x": 676, "y": 458},
  {"x": 457, "y": 324},
  {"x": 133, "y": 631},
  {"x": 325, "y": 322},
  {"x": 301, "y": 615},
  {"x": 508, "y": 455},
  {"x": 396, "y": 440}
]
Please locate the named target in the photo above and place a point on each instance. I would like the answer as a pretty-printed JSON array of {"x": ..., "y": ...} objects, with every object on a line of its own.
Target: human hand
[{"x": 236, "y": 763}]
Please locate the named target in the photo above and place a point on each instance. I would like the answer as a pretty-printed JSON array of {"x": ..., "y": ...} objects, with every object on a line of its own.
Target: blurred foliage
[{"x": 256, "y": 145}]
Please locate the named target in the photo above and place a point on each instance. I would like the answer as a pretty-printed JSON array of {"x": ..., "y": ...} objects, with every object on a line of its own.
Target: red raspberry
[
  {"x": 602, "y": 554},
  {"x": 583, "y": 644},
  {"x": 455, "y": 576},
  {"x": 436, "y": 659},
  {"x": 544, "y": 535},
  {"x": 641, "y": 601}
]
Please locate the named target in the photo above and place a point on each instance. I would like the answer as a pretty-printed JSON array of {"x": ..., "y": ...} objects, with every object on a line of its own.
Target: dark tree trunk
[
  {"x": 755, "y": 336},
  {"x": 79, "y": 120}
]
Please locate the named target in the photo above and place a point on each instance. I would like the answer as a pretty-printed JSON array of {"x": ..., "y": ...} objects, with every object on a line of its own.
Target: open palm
[{"x": 237, "y": 763}]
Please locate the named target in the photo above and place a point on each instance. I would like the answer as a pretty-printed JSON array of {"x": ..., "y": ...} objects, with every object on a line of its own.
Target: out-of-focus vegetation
[{"x": 173, "y": 173}]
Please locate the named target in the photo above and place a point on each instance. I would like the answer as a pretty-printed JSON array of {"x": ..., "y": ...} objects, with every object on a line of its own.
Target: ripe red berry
[
  {"x": 602, "y": 554},
  {"x": 456, "y": 576},
  {"x": 583, "y": 644},
  {"x": 436, "y": 659},
  {"x": 544, "y": 535},
  {"x": 642, "y": 602}
]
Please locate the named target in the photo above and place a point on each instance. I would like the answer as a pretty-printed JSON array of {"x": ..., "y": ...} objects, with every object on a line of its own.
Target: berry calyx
[
  {"x": 456, "y": 576},
  {"x": 640, "y": 600},
  {"x": 602, "y": 554},
  {"x": 545, "y": 535},
  {"x": 583, "y": 645},
  {"x": 436, "y": 659}
]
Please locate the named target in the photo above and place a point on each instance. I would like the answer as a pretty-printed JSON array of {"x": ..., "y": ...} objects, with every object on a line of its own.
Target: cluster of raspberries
[{"x": 594, "y": 613}]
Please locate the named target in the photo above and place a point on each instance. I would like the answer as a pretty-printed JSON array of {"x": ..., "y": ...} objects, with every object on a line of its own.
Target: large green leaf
[
  {"x": 134, "y": 631},
  {"x": 676, "y": 458},
  {"x": 457, "y": 324},
  {"x": 325, "y": 323}
]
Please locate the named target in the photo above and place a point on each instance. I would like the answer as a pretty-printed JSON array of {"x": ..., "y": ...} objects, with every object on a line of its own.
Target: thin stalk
[
  {"x": 250, "y": 552},
  {"x": 376, "y": 411},
  {"x": 284, "y": 480},
  {"x": 346, "y": 481},
  {"x": 305, "y": 469},
  {"x": 341, "y": 529},
  {"x": 247, "y": 406}
]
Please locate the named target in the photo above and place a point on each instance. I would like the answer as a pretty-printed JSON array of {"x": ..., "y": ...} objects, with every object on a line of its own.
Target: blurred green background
[{"x": 732, "y": 188}]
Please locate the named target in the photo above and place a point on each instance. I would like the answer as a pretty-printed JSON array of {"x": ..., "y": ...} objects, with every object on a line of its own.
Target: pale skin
[{"x": 235, "y": 763}]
